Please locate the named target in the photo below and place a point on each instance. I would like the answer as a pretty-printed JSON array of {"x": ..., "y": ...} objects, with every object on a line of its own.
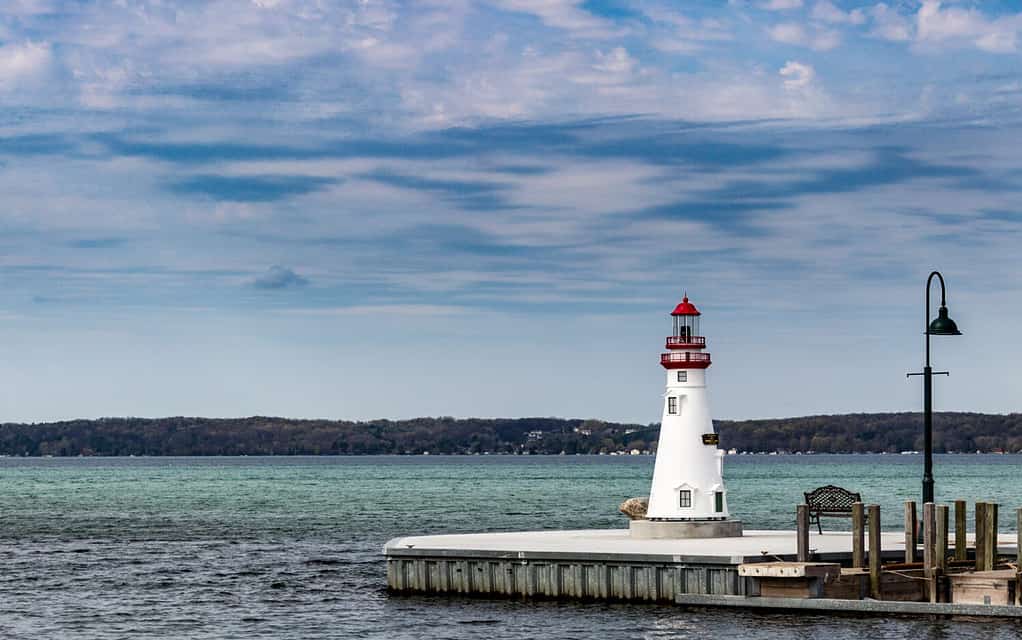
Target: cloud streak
[{"x": 249, "y": 188}]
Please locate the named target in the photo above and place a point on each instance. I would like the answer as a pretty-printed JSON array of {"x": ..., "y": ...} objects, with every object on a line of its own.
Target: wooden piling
[
  {"x": 943, "y": 513},
  {"x": 981, "y": 521},
  {"x": 802, "y": 532},
  {"x": 910, "y": 531},
  {"x": 986, "y": 536},
  {"x": 1018, "y": 540},
  {"x": 875, "y": 551},
  {"x": 859, "y": 535},
  {"x": 961, "y": 540},
  {"x": 1018, "y": 557},
  {"x": 990, "y": 547},
  {"x": 929, "y": 549}
]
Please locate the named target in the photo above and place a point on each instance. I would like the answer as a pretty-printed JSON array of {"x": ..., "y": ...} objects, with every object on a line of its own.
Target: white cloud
[
  {"x": 613, "y": 72},
  {"x": 826, "y": 11},
  {"x": 825, "y": 40},
  {"x": 531, "y": 86},
  {"x": 21, "y": 63},
  {"x": 434, "y": 64},
  {"x": 389, "y": 310},
  {"x": 795, "y": 34},
  {"x": 888, "y": 24},
  {"x": 955, "y": 26},
  {"x": 562, "y": 14},
  {"x": 788, "y": 33},
  {"x": 615, "y": 62},
  {"x": 781, "y": 5},
  {"x": 676, "y": 33},
  {"x": 797, "y": 75}
]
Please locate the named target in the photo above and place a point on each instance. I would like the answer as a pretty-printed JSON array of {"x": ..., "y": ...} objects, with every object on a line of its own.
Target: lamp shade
[{"x": 942, "y": 325}]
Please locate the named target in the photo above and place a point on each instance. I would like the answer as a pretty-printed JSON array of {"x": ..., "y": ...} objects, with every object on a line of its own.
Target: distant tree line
[
  {"x": 855, "y": 433},
  {"x": 876, "y": 432}
]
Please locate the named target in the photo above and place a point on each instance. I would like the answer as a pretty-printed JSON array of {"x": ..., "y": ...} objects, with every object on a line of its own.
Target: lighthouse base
[{"x": 661, "y": 529}]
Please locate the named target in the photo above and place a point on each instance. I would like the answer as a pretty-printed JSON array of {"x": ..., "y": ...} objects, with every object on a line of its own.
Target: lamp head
[{"x": 942, "y": 325}]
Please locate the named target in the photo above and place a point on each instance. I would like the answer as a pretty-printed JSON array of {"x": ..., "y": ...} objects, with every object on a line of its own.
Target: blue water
[{"x": 290, "y": 547}]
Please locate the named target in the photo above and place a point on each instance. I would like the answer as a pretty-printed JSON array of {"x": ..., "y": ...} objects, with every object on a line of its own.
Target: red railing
[
  {"x": 680, "y": 360},
  {"x": 680, "y": 342}
]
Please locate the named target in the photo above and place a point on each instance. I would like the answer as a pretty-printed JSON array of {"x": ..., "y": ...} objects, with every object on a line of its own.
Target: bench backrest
[{"x": 831, "y": 499}]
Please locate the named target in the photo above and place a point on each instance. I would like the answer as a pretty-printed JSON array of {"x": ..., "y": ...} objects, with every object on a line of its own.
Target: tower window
[
  {"x": 685, "y": 498},
  {"x": 683, "y": 376},
  {"x": 672, "y": 405},
  {"x": 718, "y": 501}
]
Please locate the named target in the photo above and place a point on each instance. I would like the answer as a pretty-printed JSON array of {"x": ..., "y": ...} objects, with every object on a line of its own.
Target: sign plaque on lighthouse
[{"x": 688, "y": 498}]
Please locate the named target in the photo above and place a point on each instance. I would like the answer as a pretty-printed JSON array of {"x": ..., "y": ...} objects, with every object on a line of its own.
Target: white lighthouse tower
[{"x": 688, "y": 498}]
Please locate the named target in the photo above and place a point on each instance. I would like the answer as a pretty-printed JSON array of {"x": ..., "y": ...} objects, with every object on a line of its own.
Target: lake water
[{"x": 290, "y": 547}]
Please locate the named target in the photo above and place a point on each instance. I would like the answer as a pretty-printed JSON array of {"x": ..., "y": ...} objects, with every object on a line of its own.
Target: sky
[{"x": 383, "y": 209}]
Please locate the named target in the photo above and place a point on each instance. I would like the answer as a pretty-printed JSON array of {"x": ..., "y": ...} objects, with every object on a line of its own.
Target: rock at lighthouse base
[
  {"x": 634, "y": 508},
  {"x": 667, "y": 529}
]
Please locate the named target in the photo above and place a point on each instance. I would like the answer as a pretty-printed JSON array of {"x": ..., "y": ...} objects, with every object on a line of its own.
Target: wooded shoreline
[{"x": 184, "y": 436}]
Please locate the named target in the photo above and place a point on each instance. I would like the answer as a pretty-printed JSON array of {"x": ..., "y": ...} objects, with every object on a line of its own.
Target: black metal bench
[{"x": 830, "y": 501}]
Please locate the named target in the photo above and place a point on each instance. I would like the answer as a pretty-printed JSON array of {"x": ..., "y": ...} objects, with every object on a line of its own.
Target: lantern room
[
  {"x": 686, "y": 327},
  {"x": 686, "y": 345}
]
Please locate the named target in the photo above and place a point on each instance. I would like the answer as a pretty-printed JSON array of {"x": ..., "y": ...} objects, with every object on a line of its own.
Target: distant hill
[{"x": 854, "y": 433}]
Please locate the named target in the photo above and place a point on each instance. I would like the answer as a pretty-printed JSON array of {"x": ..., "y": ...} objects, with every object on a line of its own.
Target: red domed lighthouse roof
[{"x": 685, "y": 308}]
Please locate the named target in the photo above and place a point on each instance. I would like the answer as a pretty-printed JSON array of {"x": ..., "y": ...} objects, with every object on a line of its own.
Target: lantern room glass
[{"x": 686, "y": 326}]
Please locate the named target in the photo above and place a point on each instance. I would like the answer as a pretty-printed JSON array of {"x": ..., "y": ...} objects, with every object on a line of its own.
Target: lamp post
[{"x": 942, "y": 325}]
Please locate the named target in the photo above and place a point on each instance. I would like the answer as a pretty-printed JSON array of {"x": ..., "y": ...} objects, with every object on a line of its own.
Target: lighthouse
[{"x": 687, "y": 498}]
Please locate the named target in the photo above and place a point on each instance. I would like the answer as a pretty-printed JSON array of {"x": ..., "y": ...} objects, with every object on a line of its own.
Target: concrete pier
[{"x": 598, "y": 564}]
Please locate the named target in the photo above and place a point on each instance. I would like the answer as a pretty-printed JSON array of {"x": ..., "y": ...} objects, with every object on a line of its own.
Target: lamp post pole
[
  {"x": 927, "y": 434},
  {"x": 941, "y": 326},
  {"x": 928, "y": 396}
]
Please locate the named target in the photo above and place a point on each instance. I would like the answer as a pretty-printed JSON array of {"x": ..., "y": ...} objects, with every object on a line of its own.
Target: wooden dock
[
  {"x": 597, "y": 564},
  {"x": 954, "y": 574}
]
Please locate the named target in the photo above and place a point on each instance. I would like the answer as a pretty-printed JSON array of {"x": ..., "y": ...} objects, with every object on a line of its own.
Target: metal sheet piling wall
[{"x": 561, "y": 578}]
